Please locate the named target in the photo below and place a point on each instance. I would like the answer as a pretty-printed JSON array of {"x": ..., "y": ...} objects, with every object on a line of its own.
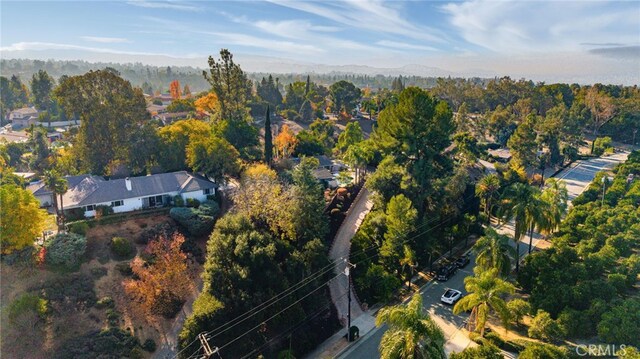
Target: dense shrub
[
  {"x": 158, "y": 230},
  {"x": 194, "y": 221},
  {"x": 543, "y": 351},
  {"x": 26, "y": 303},
  {"x": 99, "y": 272},
  {"x": 109, "y": 343},
  {"x": 192, "y": 202},
  {"x": 601, "y": 145},
  {"x": 149, "y": 345},
  {"x": 80, "y": 228},
  {"x": 178, "y": 201},
  {"x": 543, "y": 327},
  {"x": 122, "y": 247},
  {"x": 65, "y": 249},
  {"x": 487, "y": 351},
  {"x": 74, "y": 214},
  {"x": 105, "y": 302},
  {"x": 103, "y": 210},
  {"x": 124, "y": 269},
  {"x": 209, "y": 208},
  {"x": 75, "y": 289}
]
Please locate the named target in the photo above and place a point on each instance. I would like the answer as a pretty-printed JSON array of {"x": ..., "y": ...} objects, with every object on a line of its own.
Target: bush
[
  {"x": 518, "y": 309},
  {"x": 99, "y": 272},
  {"x": 601, "y": 144},
  {"x": 65, "y": 249},
  {"x": 495, "y": 339},
  {"x": 149, "y": 345},
  {"x": 103, "y": 210},
  {"x": 122, "y": 247},
  {"x": 480, "y": 352},
  {"x": 194, "y": 221},
  {"x": 178, "y": 201},
  {"x": 209, "y": 208},
  {"x": 71, "y": 288},
  {"x": 105, "y": 302},
  {"x": 124, "y": 269},
  {"x": 74, "y": 214},
  {"x": 192, "y": 202},
  {"x": 543, "y": 327},
  {"x": 543, "y": 351},
  {"x": 109, "y": 343},
  {"x": 167, "y": 304},
  {"x": 158, "y": 230},
  {"x": 80, "y": 228},
  {"x": 27, "y": 303}
]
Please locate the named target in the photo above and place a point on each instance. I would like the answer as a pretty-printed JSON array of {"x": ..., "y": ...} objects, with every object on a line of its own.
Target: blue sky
[{"x": 375, "y": 33}]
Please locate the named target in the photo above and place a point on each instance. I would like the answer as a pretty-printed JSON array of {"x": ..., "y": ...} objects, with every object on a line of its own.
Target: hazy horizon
[{"x": 583, "y": 42}]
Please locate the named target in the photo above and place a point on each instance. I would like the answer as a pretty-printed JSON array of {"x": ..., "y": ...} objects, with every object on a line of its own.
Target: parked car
[
  {"x": 451, "y": 296},
  {"x": 446, "y": 272},
  {"x": 462, "y": 261}
]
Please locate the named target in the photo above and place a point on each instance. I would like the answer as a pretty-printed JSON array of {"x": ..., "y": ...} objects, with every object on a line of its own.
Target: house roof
[
  {"x": 39, "y": 189},
  {"x": 94, "y": 189},
  {"x": 25, "y": 111},
  {"x": 324, "y": 161},
  {"x": 322, "y": 174}
]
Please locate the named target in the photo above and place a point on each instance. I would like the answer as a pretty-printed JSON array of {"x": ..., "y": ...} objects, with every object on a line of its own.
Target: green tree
[
  {"x": 59, "y": 186},
  {"x": 620, "y": 324},
  {"x": 181, "y": 105},
  {"x": 352, "y": 135},
  {"x": 543, "y": 327},
  {"x": 110, "y": 109},
  {"x": 229, "y": 83},
  {"x": 522, "y": 203},
  {"x": 144, "y": 151},
  {"x": 485, "y": 294},
  {"x": 401, "y": 220},
  {"x": 268, "y": 139},
  {"x": 411, "y": 334},
  {"x": 22, "y": 218},
  {"x": 214, "y": 157},
  {"x": 487, "y": 189},
  {"x": 555, "y": 197},
  {"x": 493, "y": 251},
  {"x": 39, "y": 142},
  {"x": 522, "y": 143},
  {"x": 306, "y": 112},
  {"x": 344, "y": 96},
  {"x": 41, "y": 86},
  {"x": 485, "y": 351},
  {"x": 518, "y": 309},
  {"x": 174, "y": 140},
  {"x": 467, "y": 149},
  {"x": 543, "y": 351}
]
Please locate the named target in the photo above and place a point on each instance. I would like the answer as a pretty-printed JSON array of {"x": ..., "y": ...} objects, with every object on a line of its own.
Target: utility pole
[
  {"x": 347, "y": 273},
  {"x": 208, "y": 352}
]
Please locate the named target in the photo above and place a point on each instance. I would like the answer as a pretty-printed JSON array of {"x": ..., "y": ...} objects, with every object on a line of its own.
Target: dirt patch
[{"x": 41, "y": 338}]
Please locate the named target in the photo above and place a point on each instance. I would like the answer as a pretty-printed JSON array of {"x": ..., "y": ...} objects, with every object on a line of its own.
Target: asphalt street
[{"x": 577, "y": 178}]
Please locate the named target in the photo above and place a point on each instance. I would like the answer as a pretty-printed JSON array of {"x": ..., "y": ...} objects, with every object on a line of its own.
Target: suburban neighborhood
[{"x": 299, "y": 179}]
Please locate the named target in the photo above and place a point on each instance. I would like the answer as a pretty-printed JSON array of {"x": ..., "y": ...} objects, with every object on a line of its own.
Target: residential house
[
  {"x": 23, "y": 117},
  {"x": 129, "y": 194},
  {"x": 168, "y": 118}
]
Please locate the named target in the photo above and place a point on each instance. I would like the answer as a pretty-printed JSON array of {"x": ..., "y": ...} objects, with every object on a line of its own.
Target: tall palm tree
[
  {"x": 485, "y": 294},
  {"x": 412, "y": 333},
  {"x": 486, "y": 189},
  {"x": 59, "y": 186},
  {"x": 494, "y": 251},
  {"x": 555, "y": 196},
  {"x": 522, "y": 203}
]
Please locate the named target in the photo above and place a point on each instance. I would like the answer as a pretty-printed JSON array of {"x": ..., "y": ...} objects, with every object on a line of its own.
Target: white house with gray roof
[{"x": 127, "y": 194}]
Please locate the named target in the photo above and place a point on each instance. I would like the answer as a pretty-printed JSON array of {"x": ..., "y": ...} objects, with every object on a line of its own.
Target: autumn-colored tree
[
  {"x": 162, "y": 283},
  {"x": 187, "y": 91},
  {"x": 174, "y": 89},
  {"x": 285, "y": 142},
  {"x": 207, "y": 103},
  {"x": 22, "y": 218}
]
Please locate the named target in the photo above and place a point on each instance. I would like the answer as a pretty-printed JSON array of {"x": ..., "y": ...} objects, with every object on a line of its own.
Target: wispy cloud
[
  {"x": 105, "y": 40},
  {"x": 41, "y": 46},
  {"x": 528, "y": 26},
  {"x": 164, "y": 5},
  {"x": 269, "y": 44},
  {"x": 405, "y": 46},
  {"x": 370, "y": 15}
]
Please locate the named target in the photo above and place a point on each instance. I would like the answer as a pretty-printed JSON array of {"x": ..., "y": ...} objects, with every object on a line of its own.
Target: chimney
[{"x": 127, "y": 182}]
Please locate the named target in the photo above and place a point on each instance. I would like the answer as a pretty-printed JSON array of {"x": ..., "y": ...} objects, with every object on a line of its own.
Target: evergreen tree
[
  {"x": 41, "y": 86},
  {"x": 268, "y": 139}
]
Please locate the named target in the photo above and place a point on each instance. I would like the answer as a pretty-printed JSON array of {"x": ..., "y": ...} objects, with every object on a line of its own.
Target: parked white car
[{"x": 451, "y": 296}]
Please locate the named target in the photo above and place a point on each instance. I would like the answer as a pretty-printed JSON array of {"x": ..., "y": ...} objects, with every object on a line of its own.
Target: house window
[
  {"x": 90, "y": 207},
  {"x": 116, "y": 203},
  {"x": 206, "y": 191}
]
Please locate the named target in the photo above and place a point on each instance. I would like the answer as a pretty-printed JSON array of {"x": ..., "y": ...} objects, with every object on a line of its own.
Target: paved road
[
  {"x": 340, "y": 249},
  {"x": 577, "y": 178}
]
